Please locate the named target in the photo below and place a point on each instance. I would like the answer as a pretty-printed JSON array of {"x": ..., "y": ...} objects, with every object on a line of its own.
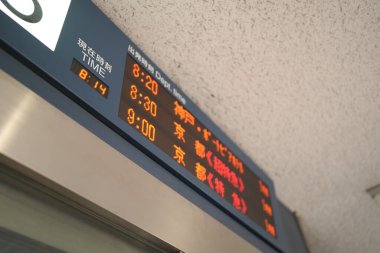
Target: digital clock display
[
  {"x": 89, "y": 78},
  {"x": 157, "y": 115}
]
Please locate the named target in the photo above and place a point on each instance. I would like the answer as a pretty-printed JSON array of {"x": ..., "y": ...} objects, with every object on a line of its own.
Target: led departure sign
[
  {"x": 152, "y": 111},
  {"x": 103, "y": 71}
]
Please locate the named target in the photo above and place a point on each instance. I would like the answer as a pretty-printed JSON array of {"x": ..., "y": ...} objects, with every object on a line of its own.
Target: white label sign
[{"x": 42, "y": 18}]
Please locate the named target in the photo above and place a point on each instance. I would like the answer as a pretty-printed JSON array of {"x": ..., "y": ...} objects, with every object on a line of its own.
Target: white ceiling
[{"x": 296, "y": 84}]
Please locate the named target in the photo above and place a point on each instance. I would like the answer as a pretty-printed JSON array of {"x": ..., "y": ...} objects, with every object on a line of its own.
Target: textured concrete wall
[{"x": 296, "y": 84}]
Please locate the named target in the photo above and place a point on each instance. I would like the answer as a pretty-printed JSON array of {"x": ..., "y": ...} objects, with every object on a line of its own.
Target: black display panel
[{"x": 156, "y": 114}]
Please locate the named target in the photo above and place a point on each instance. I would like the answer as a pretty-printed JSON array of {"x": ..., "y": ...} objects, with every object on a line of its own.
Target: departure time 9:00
[{"x": 142, "y": 125}]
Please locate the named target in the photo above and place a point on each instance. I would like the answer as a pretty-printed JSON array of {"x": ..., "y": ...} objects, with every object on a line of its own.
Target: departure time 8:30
[{"x": 148, "y": 104}]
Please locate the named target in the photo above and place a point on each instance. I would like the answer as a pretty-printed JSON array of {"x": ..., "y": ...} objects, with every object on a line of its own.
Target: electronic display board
[
  {"x": 160, "y": 117},
  {"x": 102, "y": 70}
]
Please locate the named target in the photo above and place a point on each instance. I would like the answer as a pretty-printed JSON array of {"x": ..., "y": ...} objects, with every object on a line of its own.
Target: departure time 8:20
[{"x": 145, "y": 79}]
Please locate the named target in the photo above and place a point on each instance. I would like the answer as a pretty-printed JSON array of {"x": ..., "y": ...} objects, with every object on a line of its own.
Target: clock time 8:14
[{"x": 89, "y": 78}]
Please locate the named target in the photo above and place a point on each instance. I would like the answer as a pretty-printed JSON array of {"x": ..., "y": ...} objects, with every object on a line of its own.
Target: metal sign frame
[{"x": 85, "y": 22}]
